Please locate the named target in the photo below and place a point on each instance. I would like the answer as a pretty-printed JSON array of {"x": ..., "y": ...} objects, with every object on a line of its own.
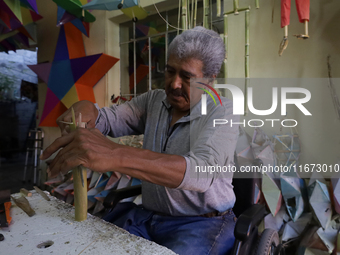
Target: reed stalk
[
  {"x": 206, "y": 14},
  {"x": 184, "y": 14},
  {"x": 246, "y": 62},
  {"x": 225, "y": 20},
  {"x": 195, "y": 14},
  {"x": 236, "y": 6},
  {"x": 218, "y": 8}
]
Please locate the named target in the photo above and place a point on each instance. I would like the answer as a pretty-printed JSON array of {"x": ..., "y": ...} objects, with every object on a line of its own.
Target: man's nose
[{"x": 176, "y": 82}]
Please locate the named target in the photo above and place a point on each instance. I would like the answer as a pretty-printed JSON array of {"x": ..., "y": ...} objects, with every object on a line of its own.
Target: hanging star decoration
[
  {"x": 65, "y": 17},
  {"x": 74, "y": 7},
  {"x": 71, "y": 11},
  {"x": 16, "y": 23},
  {"x": 130, "y": 8},
  {"x": 287, "y": 148},
  {"x": 71, "y": 76},
  {"x": 110, "y": 5},
  {"x": 30, "y": 4}
]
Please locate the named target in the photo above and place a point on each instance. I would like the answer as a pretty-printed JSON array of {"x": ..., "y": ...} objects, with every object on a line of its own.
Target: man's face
[{"x": 177, "y": 82}]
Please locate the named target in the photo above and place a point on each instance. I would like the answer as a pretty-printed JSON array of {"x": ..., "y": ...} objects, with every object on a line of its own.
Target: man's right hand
[{"x": 89, "y": 114}]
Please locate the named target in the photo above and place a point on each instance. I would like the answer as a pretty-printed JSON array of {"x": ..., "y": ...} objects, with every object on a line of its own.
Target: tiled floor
[{"x": 11, "y": 174}]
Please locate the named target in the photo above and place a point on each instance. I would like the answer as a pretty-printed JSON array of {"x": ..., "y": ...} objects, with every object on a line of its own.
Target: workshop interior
[{"x": 281, "y": 56}]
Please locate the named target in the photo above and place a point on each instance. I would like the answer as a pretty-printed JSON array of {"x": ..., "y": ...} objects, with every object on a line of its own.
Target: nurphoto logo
[{"x": 239, "y": 103}]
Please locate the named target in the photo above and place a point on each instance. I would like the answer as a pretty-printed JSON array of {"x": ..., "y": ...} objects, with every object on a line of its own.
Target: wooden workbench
[{"x": 54, "y": 224}]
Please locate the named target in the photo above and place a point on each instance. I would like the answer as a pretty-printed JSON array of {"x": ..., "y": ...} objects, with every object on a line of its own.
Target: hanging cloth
[{"x": 302, "y": 7}]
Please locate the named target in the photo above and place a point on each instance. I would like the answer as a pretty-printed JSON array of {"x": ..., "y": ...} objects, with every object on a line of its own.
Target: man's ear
[{"x": 213, "y": 77}]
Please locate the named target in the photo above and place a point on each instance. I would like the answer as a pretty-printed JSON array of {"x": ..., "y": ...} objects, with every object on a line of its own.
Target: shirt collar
[{"x": 166, "y": 103}]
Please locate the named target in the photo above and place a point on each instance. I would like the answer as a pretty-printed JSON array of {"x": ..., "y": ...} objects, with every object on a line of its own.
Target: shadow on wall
[{"x": 331, "y": 30}]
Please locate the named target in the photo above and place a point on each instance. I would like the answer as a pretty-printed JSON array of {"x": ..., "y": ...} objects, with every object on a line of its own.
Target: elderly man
[{"x": 185, "y": 209}]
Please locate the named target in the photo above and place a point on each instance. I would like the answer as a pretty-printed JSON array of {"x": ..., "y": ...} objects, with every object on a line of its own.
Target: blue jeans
[{"x": 184, "y": 235}]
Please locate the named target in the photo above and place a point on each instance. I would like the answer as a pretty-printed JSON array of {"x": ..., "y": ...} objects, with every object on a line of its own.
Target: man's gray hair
[{"x": 200, "y": 43}]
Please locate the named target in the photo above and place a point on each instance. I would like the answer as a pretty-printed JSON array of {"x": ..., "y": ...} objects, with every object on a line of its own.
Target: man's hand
[
  {"x": 91, "y": 149},
  {"x": 88, "y": 111},
  {"x": 86, "y": 147}
]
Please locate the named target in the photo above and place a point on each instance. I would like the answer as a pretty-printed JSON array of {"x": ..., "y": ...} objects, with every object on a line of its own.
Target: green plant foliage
[{"x": 6, "y": 86}]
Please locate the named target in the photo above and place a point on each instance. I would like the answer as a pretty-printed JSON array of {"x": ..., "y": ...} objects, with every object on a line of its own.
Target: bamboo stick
[
  {"x": 247, "y": 44},
  {"x": 257, "y": 4},
  {"x": 195, "y": 14},
  {"x": 236, "y": 6},
  {"x": 246, "y": 63},
  {"x": 184, "y": 14},
  {"x": 225, "y": 19},
  {"x": 179, "y": 16},
  {"x": 218, "y": 8},
  {"x": 305, "y": 35},
  {"x": 206, "y": 13},
  {"x": 210, "y": 7},
  {"x": 80, "y": 183},
  {"x": 239, "y": 10},
  {"x": 192, "y": 14}
]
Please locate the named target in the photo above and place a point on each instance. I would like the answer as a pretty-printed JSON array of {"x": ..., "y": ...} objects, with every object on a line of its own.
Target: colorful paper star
[
  {"x": 65, "y": 17},
  {"x": 11, "y": 8},
  {"x": 109, "y": 5},
  {"x": 74, "y": 7},
  {"x": 71, "y": 76},
  {"x": 15, "y": 34},
  {"x": 31, "y": 4}
]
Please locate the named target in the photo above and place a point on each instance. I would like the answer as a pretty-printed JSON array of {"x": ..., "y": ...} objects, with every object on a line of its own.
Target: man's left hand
[{"x": 86, "y": 147}]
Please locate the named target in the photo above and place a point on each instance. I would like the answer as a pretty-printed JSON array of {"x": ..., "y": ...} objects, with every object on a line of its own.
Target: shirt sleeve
[
  {"x": 211, "y": 154},
  {"x": 125, "y": 119}
]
